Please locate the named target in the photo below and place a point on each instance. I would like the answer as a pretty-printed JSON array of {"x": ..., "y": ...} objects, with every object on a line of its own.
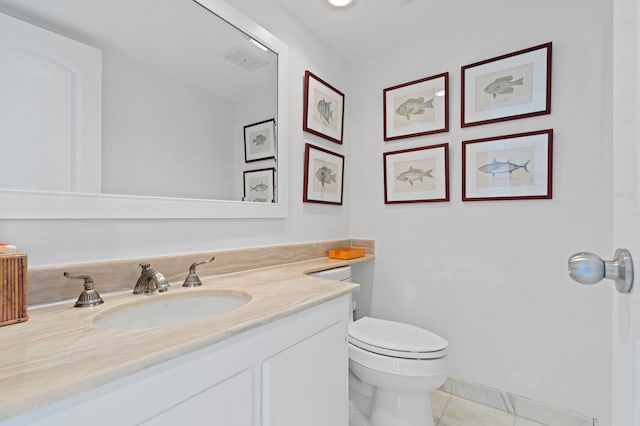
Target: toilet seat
[{"x": 394, "y": 339}]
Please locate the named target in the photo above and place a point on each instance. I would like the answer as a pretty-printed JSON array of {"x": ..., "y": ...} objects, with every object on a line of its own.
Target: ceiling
[{"x": 368, "y": 27}]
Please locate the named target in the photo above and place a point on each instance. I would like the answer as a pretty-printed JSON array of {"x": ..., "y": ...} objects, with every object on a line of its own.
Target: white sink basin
[{"x": 167, "y": 310}]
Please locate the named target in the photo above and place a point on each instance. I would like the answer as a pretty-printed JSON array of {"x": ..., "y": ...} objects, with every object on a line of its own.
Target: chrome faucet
[{"x": 150, "y": 280}]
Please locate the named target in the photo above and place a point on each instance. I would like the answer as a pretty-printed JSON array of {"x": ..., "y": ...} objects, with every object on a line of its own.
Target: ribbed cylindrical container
[{"x": 13, "y": 288}]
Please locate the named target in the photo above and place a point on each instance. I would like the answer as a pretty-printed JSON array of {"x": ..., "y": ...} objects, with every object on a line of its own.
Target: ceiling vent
[{"x": 245, "y": 59}]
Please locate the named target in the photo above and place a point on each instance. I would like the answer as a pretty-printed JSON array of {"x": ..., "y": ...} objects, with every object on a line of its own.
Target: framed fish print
[
  {"x": 260, "y": 141},
  {"x": 323, "y": 109},
  {"x": 508, "y": 87},
  {"x": 509, "y": 167},
  {"x": 258, "y": 185},
  {"x": 323, "y": 177},
  {"x": 417, "y": 108},
  {"x": 417, "y": 175}
]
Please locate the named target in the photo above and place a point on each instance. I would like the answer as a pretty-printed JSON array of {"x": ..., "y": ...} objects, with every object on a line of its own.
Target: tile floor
[{"x": 451, "y": 410}]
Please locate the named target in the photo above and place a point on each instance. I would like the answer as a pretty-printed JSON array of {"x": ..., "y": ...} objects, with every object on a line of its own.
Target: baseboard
[{"x": 514, "y": 404}]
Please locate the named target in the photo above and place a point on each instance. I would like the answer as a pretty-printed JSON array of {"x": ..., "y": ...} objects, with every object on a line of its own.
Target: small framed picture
[
  {"x": 417, "y": 108},
  {"x": 260, "y": 141},
  {"x": 510, "y": 167},
  {"x": 417, "y": 175},
  {"x": 323, "y": 109},
  {"x": 324, "y": 176},
  {"x": 259, "y": 185},
  {"x": 508, "y": 87}
]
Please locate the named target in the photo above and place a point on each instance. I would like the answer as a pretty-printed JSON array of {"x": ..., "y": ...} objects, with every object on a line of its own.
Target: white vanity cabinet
[{"x": 289, "y": 372}]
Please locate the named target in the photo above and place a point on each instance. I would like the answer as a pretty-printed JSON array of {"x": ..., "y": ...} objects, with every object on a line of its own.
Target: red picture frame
[
  {"x": 507, "y": 87},
  {"x": 416, "y": 108},
  {"x": 323, "y": 113},
  {"x": 417, "y": 175},
  {"x": 323, "y": 176},
  {"x": 510, "y": 167}
]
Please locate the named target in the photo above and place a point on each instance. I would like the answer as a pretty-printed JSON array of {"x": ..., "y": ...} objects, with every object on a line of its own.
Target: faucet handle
[
  {"x": 192, "y": 279},
  {"x": 89, "y": 297}
]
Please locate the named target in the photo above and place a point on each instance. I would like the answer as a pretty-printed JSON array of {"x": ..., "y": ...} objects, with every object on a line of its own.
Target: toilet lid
[{"x": 395, "y": 339}]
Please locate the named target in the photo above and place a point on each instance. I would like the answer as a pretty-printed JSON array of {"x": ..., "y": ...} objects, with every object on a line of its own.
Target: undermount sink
[{"x": 167, "y": 310}]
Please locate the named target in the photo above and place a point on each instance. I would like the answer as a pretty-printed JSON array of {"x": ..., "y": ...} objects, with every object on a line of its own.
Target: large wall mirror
[{"x": 125, "y": 109}]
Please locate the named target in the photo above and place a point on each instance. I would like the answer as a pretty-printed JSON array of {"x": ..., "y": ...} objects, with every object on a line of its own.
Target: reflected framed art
[
  {"x": 259, "y": 185},
  {"x": 260, "y": 141}
]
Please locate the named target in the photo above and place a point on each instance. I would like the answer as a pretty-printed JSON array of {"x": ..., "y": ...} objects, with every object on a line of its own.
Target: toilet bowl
[
  {"x": 393, "y": 368},
  {"x": 398, "y": 366}
]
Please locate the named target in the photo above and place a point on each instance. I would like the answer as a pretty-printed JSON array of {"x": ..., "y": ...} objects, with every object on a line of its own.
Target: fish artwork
[
  {"x": 260, "y": 200},
  {"x": 259, "y": 140},
  {"x": 324, "y": 109},
  {"x": 325, "y": 176},
  {"x": 414, "y": 174},
  {"x": 502, "y": 86},
  {"x": 496, "y": 167},
  {"x": 414, "y": 106},
  {"x": 261, "y": 187}
]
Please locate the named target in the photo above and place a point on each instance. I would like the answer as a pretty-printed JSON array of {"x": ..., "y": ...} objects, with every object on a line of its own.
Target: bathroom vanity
[{"x": 280, "y": 359}]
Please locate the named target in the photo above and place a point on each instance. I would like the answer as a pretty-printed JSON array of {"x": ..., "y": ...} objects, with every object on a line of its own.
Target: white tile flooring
[{"x": 451, "y": 410}]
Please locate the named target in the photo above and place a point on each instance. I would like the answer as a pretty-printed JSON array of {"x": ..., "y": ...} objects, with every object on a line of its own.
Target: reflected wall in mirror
[{"x": 117, "y": 97}]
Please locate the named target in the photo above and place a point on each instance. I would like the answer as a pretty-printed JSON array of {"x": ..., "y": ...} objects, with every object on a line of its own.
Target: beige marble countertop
[{"x": 60, "y": 352}]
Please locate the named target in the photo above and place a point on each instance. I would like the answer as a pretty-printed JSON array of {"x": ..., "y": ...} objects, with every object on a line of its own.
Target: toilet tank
[{"x": 342, "y": 273}]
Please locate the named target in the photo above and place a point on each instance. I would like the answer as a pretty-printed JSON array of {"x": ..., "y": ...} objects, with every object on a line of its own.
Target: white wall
[
  {"x": 162, "y": 136},
  {"x": 62, "y": 241},
  {"x": 491, "y": 276}
]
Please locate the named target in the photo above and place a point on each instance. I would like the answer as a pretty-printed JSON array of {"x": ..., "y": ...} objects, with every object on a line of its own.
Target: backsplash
[{"x": 47, "y": 283}]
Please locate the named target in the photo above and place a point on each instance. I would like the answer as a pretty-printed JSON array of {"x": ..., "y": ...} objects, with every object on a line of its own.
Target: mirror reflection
[{"x": 140, "y": 98}]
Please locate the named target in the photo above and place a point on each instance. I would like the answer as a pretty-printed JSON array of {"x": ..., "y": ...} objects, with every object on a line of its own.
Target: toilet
[{"x": 393, "y": 368}]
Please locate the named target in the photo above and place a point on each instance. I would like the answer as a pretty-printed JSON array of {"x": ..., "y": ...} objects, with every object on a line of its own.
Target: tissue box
[
  {"x": 13, "y": 288},
  {"x": 346, "y": 253}
]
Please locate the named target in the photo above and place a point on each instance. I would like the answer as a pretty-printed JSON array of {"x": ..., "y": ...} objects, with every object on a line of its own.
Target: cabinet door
[
  {"x": 228, "y": 403},
  {"x": 306, "y": 384},
  {"x": 207, "y": 387}
]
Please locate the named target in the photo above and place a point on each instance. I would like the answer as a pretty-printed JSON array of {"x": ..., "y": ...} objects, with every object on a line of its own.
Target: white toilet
[{"x": 393, "y": 368}]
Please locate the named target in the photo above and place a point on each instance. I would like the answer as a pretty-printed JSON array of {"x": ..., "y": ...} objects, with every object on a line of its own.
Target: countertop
[{"x": 60, "y": 352}]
